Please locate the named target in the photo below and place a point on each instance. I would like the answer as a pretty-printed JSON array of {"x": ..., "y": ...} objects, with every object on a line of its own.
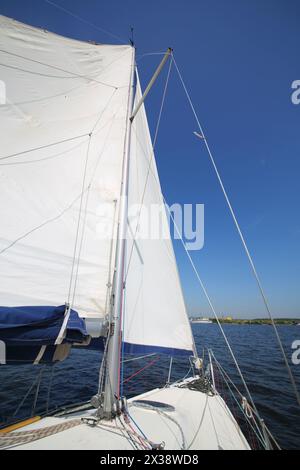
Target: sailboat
[
  {"x": 201, "y": 320},
  {"x": 76, "y": 156}
]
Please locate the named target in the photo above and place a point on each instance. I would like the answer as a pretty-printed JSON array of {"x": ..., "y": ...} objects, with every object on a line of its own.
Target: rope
[
  {"x": 79, "y": 18},
  {"x": 44, "y": 146},
  {"x": 140, "y": 438},
  {"x": 25, "y": 396},
  {"x": 201, "y": 384},
  {"x": 247, "y": 408},
  {"x": 135, "y": 423},
  {"x": 24, "y": 437},
  {"x": 224, "y": 375},
  {"x": 292, "y": 379},
  {"x": 136, "y": 445},
  {"x": 132, "y": 434},
  {"x": 140, "y": 370},
  {"x": 162, "y": 413},
  {"x": 256, "y": 431}
]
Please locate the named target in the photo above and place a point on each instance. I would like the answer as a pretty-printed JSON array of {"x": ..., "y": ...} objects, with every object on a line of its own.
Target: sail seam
[{"x": 74, "y": 74}]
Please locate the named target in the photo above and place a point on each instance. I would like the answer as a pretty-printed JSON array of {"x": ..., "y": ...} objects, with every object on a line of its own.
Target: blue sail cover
[
  {"x": 25, "y": 330},
  {"x": 137, "y": 349},
  {"x": 130, "y": 348}
]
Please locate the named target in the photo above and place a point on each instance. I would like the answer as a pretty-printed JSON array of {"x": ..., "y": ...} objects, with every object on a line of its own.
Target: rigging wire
[
  {"x": 53, "y": 219},
  {"x": 225, "y": 375},
  {"x": 140, "y": 370},
  {"x": 76, "y": 258},
  {"x": 37, "y": 391},
  {"x": 146, "y": 54},
  {"x": 259, "y": 284},
  {"x": 140, "y": 438},
  {"x": 83, "y": 20},
  {"x": 49, "y": 388},
  {"x": 211, "y": 305},
  {"x": 256, "y": 431},
  {"x": 148, "y": 406},
  {"x": 35, "y": 381}
]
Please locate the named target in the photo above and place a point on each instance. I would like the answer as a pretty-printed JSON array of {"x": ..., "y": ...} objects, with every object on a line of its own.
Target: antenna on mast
[{"x": 131, "y": 36}]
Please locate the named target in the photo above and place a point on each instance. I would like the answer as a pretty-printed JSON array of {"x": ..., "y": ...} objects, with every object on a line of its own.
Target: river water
[{"x": 255, "y": 347}]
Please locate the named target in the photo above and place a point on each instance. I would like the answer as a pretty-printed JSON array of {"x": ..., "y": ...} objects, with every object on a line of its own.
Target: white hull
[{"x": 197, "y": 421}]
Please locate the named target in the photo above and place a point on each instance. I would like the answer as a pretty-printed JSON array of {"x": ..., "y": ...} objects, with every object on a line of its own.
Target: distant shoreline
[{"x": 254, "y": 321}]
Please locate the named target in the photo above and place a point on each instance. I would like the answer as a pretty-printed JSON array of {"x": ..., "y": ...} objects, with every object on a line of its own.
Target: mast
[
  {"x": 113, "y": 354},
  {"x": 112, "y": 379}
]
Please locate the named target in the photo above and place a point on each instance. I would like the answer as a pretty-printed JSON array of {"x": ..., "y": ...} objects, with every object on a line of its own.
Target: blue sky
[{"x": 238, "y": 58}]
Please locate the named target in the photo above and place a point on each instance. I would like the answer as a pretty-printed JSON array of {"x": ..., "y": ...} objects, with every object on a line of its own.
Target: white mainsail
[
  {"x": 62, "y": 137},
  {"x": 155, "y": 313},
  {"x": 62, "y": 144}
]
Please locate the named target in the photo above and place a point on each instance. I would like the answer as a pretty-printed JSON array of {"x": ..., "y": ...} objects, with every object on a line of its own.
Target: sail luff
[
  {"x": 112, "y": 382},
  {"x": 156, "y": 318}
]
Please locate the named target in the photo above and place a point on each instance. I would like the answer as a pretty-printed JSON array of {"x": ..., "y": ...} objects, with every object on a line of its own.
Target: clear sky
[{"x": 239, "y": 59}]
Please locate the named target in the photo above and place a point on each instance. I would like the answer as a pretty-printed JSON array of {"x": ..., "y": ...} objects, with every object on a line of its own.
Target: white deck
[{"x": 198, "y": 422}]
